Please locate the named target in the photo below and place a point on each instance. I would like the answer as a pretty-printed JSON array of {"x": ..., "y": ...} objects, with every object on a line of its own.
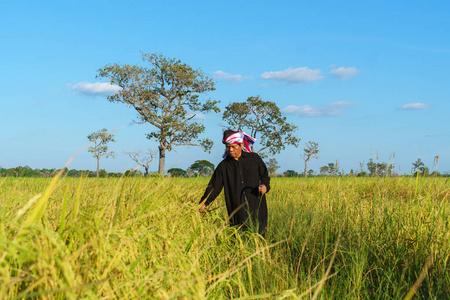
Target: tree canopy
[
  {"x": 202, "y": 167},
  {"x": 379, "y": 168},
  {"x": 165, "y": 96},
  {"x": 311, "y": 151},
  {"x": 263, "y": 121},
  {"x": 272, "y": 166},
  {"x": 100, "y": 140},
  {"x": 330, "y": 169},
  {"x": 419, "y": 166},
  {"x": 290, "y": 173},
  {"x": 176, "y": 172}
]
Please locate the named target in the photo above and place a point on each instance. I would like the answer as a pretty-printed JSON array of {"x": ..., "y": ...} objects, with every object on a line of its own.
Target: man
[{"x": 245, "y": 180}]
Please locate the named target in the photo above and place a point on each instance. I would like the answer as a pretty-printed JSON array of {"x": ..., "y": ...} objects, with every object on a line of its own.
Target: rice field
[{"x": 143, "y": 238}]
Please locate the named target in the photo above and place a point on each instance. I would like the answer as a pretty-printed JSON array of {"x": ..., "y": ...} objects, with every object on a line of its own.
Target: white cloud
[
  {"x": 196, "y": 116},
  {"x": 344, "y": 73},
  {"x": 230, "y": 77},
  {"x": 331, "y": 109},
  {"x": 95, "y": 89},
  {"x": 302, "y": 74},
  {"x": 304, "y": 110},
  {"x": 415, "y": 106}
]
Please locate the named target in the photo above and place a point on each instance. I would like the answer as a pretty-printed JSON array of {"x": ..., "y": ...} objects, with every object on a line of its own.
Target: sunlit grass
[{"x": 330, "y": 238}]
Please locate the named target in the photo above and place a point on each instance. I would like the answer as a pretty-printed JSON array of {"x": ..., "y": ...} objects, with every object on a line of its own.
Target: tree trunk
[
  {"x": 162, "y": 160},
  {"x": 146, "y": 171},
  {"x": 306, "y": 168},
  {"x": 98, "y": 166}
]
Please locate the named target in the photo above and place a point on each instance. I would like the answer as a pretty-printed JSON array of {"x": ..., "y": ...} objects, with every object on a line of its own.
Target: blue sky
[{"x": 364, "y": 79}]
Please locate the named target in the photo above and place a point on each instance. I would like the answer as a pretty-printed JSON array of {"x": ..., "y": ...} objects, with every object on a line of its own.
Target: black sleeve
[
  {"x": 263, "y": 173},
  {"x": 214, "y": 188}
]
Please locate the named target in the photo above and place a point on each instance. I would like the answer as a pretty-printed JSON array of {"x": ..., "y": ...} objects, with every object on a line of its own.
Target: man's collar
[{"x": 243, "y": 154}]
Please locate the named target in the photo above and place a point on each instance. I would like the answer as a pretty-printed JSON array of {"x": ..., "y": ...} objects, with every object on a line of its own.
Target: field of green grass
[{"x": 143, "y": 238}]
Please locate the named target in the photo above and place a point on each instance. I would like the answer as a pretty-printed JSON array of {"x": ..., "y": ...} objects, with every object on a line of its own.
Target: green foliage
[
  {"x": 419, "y": 166},
  {"x": 131, "y": 173},
  {"x": 24, "y": 172},
  {"x": 311, "y": 151},
  {"x": 165, "y": 96},
  {"x": 290, "y": 173},
  {"x": 263, "y": 121},
  {"x": 332, "y": 169},
  {"x": 202, "y": 167},
  {"x": 176, "y": 172},
  {"x": 100, "y": 140},
  {"x": 379, "y": 169},
  {"x": 272, "y": 166}
]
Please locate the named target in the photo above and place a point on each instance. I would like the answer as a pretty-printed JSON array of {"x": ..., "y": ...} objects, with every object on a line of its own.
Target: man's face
[{"x": 234, "y": 150}]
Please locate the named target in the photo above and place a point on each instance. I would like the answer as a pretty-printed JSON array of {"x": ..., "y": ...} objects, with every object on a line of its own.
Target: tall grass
[{"x": 328, "y": 238}]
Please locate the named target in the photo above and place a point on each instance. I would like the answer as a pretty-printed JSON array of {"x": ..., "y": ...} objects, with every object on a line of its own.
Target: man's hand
[
  {"x": 262, "y": 189},
  {"x": 202, "y": 208}
]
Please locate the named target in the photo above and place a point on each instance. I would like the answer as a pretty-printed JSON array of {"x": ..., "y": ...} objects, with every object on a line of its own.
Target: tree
[
  {"x": 420, "y": 167},
  {"x": 311, "y": 151},
  {"x": 202, "y": 167},
  {"x": 143, "y": 159},
  {"x": 330, "y": 169},
  {"x": 372, "y": 167},
  {"x": 379, "y": 168},
  {"x": 324, "y": 170},
  {"x": 272, "y": 166},
  {"x": 176, "y": 172},
  {"x": 290, "y": 173},
  {"x": 165, "y": 96},
  {"x": 130, "y": 173},
  {"x": 190, "y": 173},
  {"x": 262, "y": 120},
  {"x": 100, "y": 138},
  {"x": 361, "y": 167}
]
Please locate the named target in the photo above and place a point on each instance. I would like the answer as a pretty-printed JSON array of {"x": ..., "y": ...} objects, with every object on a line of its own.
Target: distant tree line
[
  {"x": 204, "y": 168},
  {"x": 26, "y": 171},
  {"x": 374, "y": 169}
]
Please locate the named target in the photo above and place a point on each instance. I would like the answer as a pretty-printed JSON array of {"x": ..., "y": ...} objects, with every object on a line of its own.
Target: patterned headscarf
[{"x": 239, "y": 137}]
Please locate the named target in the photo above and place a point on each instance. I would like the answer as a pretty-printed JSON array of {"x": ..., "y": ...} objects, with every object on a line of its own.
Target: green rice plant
[{"x": 131, "y": 238}]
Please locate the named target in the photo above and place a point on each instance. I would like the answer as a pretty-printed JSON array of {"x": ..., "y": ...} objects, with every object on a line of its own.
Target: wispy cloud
[
  {"x": 195, "y": 116},
  {"x": 230, "y": 77},
  {"x": 344, "y": 73},
  {"x": 331, "y": 109},
  {"x": 302, "y": 74},
  {"x": 415, "y": 106},
  {"x": 95, "y": 89}
]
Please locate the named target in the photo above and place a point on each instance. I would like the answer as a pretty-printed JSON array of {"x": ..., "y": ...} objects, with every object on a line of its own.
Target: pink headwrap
[{"x": 239, "y": 137}]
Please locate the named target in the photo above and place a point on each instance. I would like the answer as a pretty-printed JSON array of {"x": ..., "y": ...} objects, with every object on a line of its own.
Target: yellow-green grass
[{"x": 131, "y": 238}]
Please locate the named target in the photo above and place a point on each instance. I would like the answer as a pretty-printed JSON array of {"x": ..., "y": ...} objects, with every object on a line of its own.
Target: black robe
[{"x": 240, "y": 180}]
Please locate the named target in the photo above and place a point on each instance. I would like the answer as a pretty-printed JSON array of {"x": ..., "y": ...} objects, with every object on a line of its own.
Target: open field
[{"x": 131, "y": 238}]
